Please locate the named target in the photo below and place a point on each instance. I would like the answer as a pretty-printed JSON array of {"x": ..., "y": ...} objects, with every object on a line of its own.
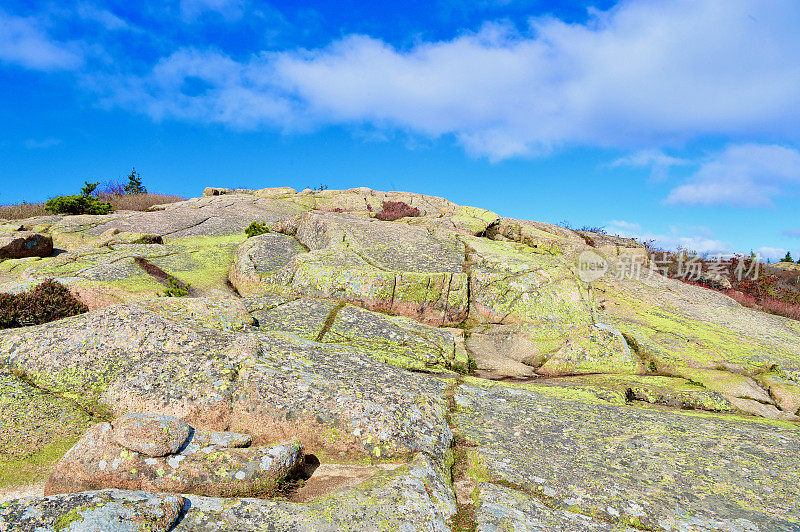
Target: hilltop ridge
[{"x": 448, "y": 369}]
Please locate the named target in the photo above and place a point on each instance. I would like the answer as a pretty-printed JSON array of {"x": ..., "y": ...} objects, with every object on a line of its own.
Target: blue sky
[{"x": 677, "y": 120}]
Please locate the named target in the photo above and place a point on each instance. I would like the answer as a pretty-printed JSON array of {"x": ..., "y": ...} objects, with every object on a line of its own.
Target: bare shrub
[{"x": 394, "y": 210}]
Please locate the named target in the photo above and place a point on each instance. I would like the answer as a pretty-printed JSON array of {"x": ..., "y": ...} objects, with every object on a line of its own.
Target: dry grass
[
  {"x": 23, "y": 210},
  {"x": 139, "y": 202},
  {"x": 125, "y": 202}
]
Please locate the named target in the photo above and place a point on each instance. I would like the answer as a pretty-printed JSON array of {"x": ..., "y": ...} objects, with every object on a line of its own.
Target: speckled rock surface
[
  {"x": 414, "y": 497},
  {"x": 153, "y": 435},
  {"x": 385, "y": 266},
  {"x": 630, "y": 466},
  {"x": 217, "y": 373},
  {"x": 111, "y": 510},
  {"x": 36, "y": 427},
  {"x": 502, "y": 508},
  {"x": 339, "y": 402},
  {"x": 456, "y": 355}
]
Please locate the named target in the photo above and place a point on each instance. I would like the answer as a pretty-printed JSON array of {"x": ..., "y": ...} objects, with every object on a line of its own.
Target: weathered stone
[
  {"x": 142, "y": 357},
  {"x": 527, "y": 349},
  {"x": 512, "y": 283},
  {"x": 202, "y": 464},
  {"x": 415, "y": 496},
  {"x": 21, "y": 244},
  {"x": 120, "y": 511},
  {"x": 338, "y": 401},
  {"x": 785, "y": 392},
  {"x": 36, "y": 427},
  {"x": 349, "y": 338},
  {"x": 150, "y": 434},
  {"x": 383, "y": 266},
  {"x": 259, "y": 257},
  {"x": 504, "y": 508},
  {"x": 641, "y": 467}
]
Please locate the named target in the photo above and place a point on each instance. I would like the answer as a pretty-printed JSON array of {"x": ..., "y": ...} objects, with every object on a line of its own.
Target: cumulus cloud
[
  {"x": 770, "y": 253},
  {"x": 744, "y": 175},
  {"x": 645, "y": 73},
  {"x": 24, "y": 42},
  {"x": 198, "y": 85}
]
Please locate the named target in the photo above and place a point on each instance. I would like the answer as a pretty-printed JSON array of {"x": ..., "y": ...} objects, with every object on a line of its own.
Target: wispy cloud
[
  {"x": 794, "y": 233},
  {"x": 228, "y": 9},
  {"x": 646, "y": 73},
  {"x": 33, "y": 144},
  {"x": 658, "y": 162},
  {"x": 745, "y": 175},
  {"x": 24, "y": 42},
  {"x": 104, "y": 17}
]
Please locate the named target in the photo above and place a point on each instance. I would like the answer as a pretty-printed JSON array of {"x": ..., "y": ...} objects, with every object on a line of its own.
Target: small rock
[
  {"x": 22, "y": 244},
  {"x": 153, "y": 435}
]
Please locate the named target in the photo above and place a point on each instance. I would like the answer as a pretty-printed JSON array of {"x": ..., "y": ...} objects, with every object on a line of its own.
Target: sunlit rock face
[{"x": 449, "y": 369}]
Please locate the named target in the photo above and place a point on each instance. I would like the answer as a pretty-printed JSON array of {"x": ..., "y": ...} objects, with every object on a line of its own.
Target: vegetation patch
[
  {"x": 176, "y": 289},
  {"x": 394, "y": 210},
  {"x": 255, "y": 229},
  {"x": 77, "y": 204},
  {"x": 47, "y": 302}
]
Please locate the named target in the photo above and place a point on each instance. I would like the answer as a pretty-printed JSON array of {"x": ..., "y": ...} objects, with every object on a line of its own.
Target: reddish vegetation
[
  {"x": 773, "y": 290},
  {"x": 49, "y": 301},
  {"x": 780, "y": 308},
  {"x": 394, "y": 210}
]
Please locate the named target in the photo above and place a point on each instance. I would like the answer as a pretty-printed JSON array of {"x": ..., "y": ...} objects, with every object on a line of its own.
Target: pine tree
[
  {"x": 134, "y": 185},
  {"x": 787, "y": 258},
  {"x": 89, "y": 188}
]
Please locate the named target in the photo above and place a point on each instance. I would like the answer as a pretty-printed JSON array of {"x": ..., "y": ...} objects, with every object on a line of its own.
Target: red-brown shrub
[
  {"x": 394, "y": 210},
  {"x": 787, "y": 310},
  {"x": 49, "y": 301}
]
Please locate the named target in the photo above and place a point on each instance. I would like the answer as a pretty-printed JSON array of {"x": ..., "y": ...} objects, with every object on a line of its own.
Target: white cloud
[
  {"x": 200, "y": 86},
  {"x": 106, "y": 18},
  {"x": 698, "y": 238},
  {"x": 647, "y": 72},
  {"x": 24, "y": 42},
  {"x": 658, "y": 162},
  {"x": 773, "y": 254},
  {"x": 745, "y": 175}
]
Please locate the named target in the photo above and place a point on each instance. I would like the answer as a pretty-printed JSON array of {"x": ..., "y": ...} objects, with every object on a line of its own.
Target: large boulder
[
  {"x": 383, "y": 266},
  {"x": 161, "y": 454}
]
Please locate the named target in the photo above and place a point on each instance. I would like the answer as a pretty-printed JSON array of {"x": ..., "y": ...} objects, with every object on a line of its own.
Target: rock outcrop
[
  {"x": 159, "y": 453},
  {"x": 24, "y": 244},
  {"x": 120, "y": 511},
  {"x": 455, "y": 361}
]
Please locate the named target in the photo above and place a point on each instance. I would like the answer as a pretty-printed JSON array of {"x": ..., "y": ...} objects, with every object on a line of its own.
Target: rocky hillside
[{"x": 452, "y": 370}]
